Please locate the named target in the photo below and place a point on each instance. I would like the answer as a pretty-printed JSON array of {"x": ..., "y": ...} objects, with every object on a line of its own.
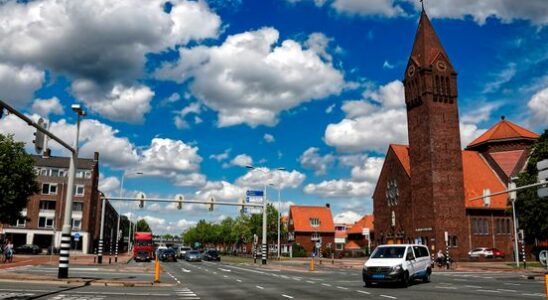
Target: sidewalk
[{"x": 22, "y": 262}]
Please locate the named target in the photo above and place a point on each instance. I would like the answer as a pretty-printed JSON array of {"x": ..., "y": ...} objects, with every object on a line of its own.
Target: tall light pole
[
  {"x": 119, "y": 212},
  {"x": 67, "y": 218},
  {"x": 264, "y": 242}
]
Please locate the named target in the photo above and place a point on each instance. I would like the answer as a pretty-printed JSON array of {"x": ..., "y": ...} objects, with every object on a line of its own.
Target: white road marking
[
  {"x": 326, "y": 284},
  {"x": 185, "y": 270},
  {"x": 238, "y": 280},
  {"x": 225, "y": 270},
  {"x": 363, "y": 292},
  {"x": 225, "y": 276},
  {"x": 534, "y": 295},
  {"x": 310, "y": 281},
  {"x": 342, "y": 287},
  {"x": 505, "y": 290},
  {"x": 287, "y": 296},
  {"x": 488, "y": 291},
  {"x": 178, "y": 282},
  {"x": 260, "y": 287},
  {"x": 473, "y": 286},
  {"x": 389, "y": 297},
  {"x": 446, "y": 287},
  {"x": 508, "y": 283}
]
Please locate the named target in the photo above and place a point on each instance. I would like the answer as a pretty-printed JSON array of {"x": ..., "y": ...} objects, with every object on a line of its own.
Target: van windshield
[{"x": 388, "y": 252}]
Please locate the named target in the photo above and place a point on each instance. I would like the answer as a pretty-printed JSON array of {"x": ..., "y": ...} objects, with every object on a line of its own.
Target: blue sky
[{"x": 189, "y": 92}]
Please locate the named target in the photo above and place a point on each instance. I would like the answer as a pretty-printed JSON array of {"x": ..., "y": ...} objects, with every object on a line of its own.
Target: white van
[{"x": 398, "y": 263}]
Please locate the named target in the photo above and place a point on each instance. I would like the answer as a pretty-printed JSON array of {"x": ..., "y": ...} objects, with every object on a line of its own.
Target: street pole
[
  {"x": 516, "y": 249},
  {"x": 67, "y": 218},
  {"x": 279, "y": 205},
  {"x": 101, "y": 232},
  {"x": 118, "y": 221},
  {"x": 264, "y": 247}
]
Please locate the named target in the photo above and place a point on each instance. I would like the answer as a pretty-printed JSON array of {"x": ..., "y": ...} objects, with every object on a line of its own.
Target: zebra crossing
[
  {"x": 15, "y": 295},
  {"x": 186, "y": 294}
]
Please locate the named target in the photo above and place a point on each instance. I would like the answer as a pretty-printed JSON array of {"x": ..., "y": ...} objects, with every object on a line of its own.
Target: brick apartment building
[
  {"x": 308, "y": 225},
  {"x": 424, "y": 189},
  {"x": 42, "y": 219}
]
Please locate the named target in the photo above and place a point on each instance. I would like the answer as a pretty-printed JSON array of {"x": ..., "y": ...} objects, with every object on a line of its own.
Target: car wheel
[
  {"x": 405, "y": 280},
  {"x": 427, "y": 276},
  {"x": 368, "y": 283}
]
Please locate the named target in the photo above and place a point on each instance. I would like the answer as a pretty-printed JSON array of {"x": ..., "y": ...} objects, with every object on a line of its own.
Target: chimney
[
  {"x": 95, "y": 156},
  {"x": 327, "y": 205}
]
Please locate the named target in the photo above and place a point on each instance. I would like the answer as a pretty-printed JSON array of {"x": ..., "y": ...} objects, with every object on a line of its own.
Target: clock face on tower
[
  {"x": 411, "y": 71},
  {"x": 441, "y": 66}
]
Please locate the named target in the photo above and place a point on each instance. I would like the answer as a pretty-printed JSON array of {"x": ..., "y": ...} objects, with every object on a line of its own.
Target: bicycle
[{"x": 7, "y": 257}]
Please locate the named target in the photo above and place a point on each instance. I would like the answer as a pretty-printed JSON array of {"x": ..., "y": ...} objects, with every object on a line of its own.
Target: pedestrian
[{"x": 440, "y": 258}]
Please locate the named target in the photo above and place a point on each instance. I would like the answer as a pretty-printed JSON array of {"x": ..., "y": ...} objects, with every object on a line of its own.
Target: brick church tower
[{"x": 437, "y": 189}]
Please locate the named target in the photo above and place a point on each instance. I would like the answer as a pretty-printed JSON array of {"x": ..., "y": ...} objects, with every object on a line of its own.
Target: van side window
[
  {"x": 420, "y": 251},
  {"x": 424, "y": 252}
]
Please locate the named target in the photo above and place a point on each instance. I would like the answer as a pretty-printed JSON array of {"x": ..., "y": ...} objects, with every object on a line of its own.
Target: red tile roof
[
  {"x": 402, "y": 152},
  {"x": 340, "y": 234},
  {"x": 503, "y": 130},
  {"x": 478, "y": 175},
  {"x": 507, "y": 160},
  {"x": 301, "y": 216},
  {"x": 427, "y": 46},
  {"x": 365, "y": 222},
  {"x": 351, "y": 245}
]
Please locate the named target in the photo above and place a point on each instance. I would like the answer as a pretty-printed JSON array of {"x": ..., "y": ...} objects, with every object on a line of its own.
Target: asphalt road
[{"x": 206, "y": 280}]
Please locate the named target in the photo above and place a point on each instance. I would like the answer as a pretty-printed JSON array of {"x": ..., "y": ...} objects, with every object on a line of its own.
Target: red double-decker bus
[{"x": 143, "y": 243}]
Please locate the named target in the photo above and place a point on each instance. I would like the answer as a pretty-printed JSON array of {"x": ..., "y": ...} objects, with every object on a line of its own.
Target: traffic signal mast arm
[
  {"x": 511, "y": 190},
  {"x": 184, "y": 201},
  {"x": 35, "y": 125}
]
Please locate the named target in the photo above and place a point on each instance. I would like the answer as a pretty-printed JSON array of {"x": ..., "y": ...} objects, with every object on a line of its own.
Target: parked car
[
  {"x": 480, "y": 252},
  {"x": 182, "y": 251},
  {"x": 142, "y": 256},
  {"x": 168, "y": 255},
  {"x": 212, "y": 255},
  {"x": 398, "y": 263},
  {"x": 497, "y": 253},
  {"x": 159, "y": 250},
  {"x": 28, "y": 249},
  {"x": 193, "y": 255}
]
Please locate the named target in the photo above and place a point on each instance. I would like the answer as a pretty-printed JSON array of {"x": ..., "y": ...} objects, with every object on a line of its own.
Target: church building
[{"x": 424, "y": 190}]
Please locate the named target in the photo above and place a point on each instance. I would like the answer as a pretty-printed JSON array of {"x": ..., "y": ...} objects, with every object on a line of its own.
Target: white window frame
[
  {"x": 315, "y": 222},
  {"x": 339, "y": 246},
  {"x": 82, "y": 203},
  {"x": 74, "y": 224},
  {"x": 315, "y": 236},
  {"x": 76, "y": 193},
  {"x": 46, "y": 222},
  {"x": 50, "y": 185}
]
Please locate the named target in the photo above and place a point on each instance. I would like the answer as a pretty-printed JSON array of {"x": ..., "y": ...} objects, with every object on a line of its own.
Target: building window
[
  {"x": 79, "y": 174},
  {"x": 76, "y": 224},
  {"x": 44, "y": 172},
  {"x": 21, "y": 222},
  {"x": 79, "y": 190},
  {"x": 339, "y": 246},
  {"x": 45, "y": 222},
  {"x": 480, "y": 226},
  {"x": 314, "y": 222},
  {"x": 315, "y": 236},
  {"x": 77, "y": 206},
  {"x": 47, "y": 205},
  {"x": 340, "y": 228},
  {"x": 49, "y": 189},
  {"x": 503, "y": 227},
  {"x": 452, "y": 242},
  {"x": 87, "y": 174}
]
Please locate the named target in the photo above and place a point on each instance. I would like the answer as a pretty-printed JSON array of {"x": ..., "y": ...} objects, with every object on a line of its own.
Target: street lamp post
[
  {"x": 264, "y": 242},
  {"x": 67, "y": 218},
  {"x": 118, "y": 233}
]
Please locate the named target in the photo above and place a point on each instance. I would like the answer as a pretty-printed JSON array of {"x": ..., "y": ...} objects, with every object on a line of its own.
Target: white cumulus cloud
[
  {"x": 311, "y": 159},
  {"x": 18, "y": 83},
  {"x": 45, "y": 107},
  {"x": 538, "y": 106}
]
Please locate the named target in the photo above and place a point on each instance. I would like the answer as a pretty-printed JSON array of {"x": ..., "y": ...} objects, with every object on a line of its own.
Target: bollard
[
  {"x": 157, "y": 271},
  {"x": 311, "y": 267},
  {"x": 546, "y": 283},
  {"x": 332, "y": 258}
]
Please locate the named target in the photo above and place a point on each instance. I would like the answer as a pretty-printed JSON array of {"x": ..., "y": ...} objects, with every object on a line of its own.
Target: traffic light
[
  {"x": 521, "y": 235},
  {"x": 141, "y": 197},
  {"x": 211, "y": 203},
  {"x": 39, "y": 137},
  {"x": 179, "y": 198}
]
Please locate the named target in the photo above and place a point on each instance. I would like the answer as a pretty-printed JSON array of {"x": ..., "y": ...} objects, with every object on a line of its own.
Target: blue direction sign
[{"x": 254, "y": 193}]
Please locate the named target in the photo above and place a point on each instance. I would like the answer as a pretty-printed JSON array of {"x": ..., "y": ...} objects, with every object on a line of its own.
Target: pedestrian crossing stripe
[{"x": 14, "y": 295}]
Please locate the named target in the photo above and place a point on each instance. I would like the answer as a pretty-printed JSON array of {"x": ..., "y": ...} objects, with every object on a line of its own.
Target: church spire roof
[{"x": 427, "y": 45}]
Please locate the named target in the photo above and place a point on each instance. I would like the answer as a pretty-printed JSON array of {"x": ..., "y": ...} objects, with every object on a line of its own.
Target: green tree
[
  {"x": 142, "y": 226},
  {"x": 17, "y": 179},
  {"x": 531, "y": 210}
]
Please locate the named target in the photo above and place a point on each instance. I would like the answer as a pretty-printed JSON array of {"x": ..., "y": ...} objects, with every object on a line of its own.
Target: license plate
[{"x": 378, "y": 276}]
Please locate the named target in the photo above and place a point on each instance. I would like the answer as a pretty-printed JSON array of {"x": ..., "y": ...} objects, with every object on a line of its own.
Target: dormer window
[{"x": 314, "y": 222}]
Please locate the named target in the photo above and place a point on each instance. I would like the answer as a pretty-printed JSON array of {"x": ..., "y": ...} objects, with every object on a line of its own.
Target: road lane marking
[
  {"x": 446, "y": 287},
  {"x": 473, "y": 286},
  {"x": 287, "y": 296},
  {"x": 225, "y": 270},
  {"x": 185, "y": 270},
  {"x": 389, "y": 297},
  {"x": 326, "y": 284},
  {"x": 508, "y": 283},
  {"x": 310, "y": 281},
  {"x": 488, "y": 291},
  {"x": 363, "y": 292},
  {"x": 260, "y": 287},
  {"x": 505, "y": 290},
  {"x": 342, "y": 287},
  {"x": 225, "y": 276},
  {"x": 534, "y": 295},
  {"x": 238, "y": 280}
]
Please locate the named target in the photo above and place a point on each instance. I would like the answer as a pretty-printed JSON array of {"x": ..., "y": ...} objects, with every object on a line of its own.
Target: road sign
[
  {"x": 318, "y": 245},
  {"x": 254, "y": 197},
  {"x": 76, "y": 236},
  {"x": 543, "y": 257},
  {"x": 542, "y": 167},
  {"x": 254, "y": 193}
]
